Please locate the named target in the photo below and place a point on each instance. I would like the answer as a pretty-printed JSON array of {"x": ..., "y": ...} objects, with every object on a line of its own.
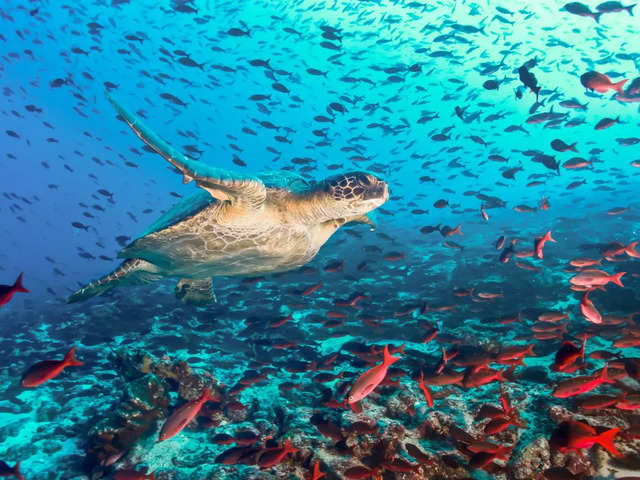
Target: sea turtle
[{"x": 236, "y": 225}]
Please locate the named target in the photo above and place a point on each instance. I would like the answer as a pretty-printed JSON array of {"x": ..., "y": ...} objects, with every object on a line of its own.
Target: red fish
[
  {"x": 48, "y": 369},
  {"x": 597, "y": 402},
  {"x": 427, "y": 393},
  {"x": 433, "y": 332},
  {"x": 629, "y": 402},
  {"x": 544, "y": 204},
  {"x": 567, "y": 355},
  {"x": 420, "y": 456},
  {"x": 589, "y": 310},
  {"x": 369, "y": 380},
  {"x": 445, "y": 359},
  {"x": 448, "y": 231},
  {"x": 585, "y": 262},
  {"x": 631, "y": 250},
  {"x": 131, "y": 474},
  {"x": 627, "y": 342},
  {"x": 352, "y": 301},
  {"x": 359, "y": 473},
  {"x": 483, "y": 459},
  {"x": 484, "y": 214},
  {"x": 7, "y": 291},
  {"x": 334, "y": 267},
  {"x": 508, "y": 320},
  {"x": 309, "y": 290},
  {"x": 183, "y": 415},
  {"x": 7, "y": 471},
  {"x": 281, "y": 321},
  {"x": 539, "y": 242},
  {"x": 272, "y": 456},
  {"x": 497, "y": 425},
  {"x": 613, "y": 250},
  {"x": 579, "y": 385},
  {"x": 317, "y": 474},
  {"x": 576, "y": 435},
  {"x": 489, "y": 295},
  {"x": 595, "y": 278},
  {"x": 552, "y": 316},
  {"x": 514, "y": 352},
  {"x": 601, "y": 83},
  {"x": 543, "y": 327},
  {"x": 477, "y": 378},
  {"x": 526, "y": 266}
]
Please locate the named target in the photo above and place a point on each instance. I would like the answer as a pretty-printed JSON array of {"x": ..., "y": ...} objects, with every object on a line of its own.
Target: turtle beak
[
  {"x": 385, "y": 191},
  {"x": 377, "y": 191}
]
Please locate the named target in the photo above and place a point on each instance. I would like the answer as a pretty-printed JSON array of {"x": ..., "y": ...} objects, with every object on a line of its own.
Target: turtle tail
[{"x": 130, "y": 272}]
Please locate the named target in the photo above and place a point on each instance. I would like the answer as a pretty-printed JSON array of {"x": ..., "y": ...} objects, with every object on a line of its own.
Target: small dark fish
[
  {"x": 613, "y": 6},
  {"x": 606, "y": 123},
  {"x": 80, "y": 226},
  {"x": 280, "y": 88},
  {"x": 260, "y": 63},
  {"x": 559, "y": 146},
  {"x": 329, "y": 46},
  {"x": 509, "y": 173},
  {"x": 427, "y": 229},
  {"x": 238, "y": 161},
  {"x": 491, "y": 85},
  {"x": 581, "y": 10},
  {"x": 237, "y": 32},
  {"x": 173, "y": 99},
  {"x": 575, "y": 184},
  {"x": 189, "y": 62},
  {"x": 316, "y": 72}
]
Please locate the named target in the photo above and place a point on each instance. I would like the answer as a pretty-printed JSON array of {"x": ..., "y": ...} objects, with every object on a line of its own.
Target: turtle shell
[
  {"x": 192, "y": 204},
  {"x": 184, "y": 209},
  {"x": 285, "y": 180}
]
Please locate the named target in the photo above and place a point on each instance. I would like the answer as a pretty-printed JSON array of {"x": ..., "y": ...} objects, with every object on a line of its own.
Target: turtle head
[{"x": 354, "y": 193}]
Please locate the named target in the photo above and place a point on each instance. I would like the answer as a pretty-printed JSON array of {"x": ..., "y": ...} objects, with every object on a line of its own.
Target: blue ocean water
[{"x": 426, "y": 96}]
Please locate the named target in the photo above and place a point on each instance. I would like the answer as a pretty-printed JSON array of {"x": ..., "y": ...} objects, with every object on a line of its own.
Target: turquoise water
[{"x": 387, "y": 77}]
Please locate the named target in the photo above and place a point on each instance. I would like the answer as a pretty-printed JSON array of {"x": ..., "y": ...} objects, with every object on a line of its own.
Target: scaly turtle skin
[{"x": 238, "y": 225}]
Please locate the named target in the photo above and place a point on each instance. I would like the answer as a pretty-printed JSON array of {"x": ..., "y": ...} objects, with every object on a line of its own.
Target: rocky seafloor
[{"x": 143, "y": 359}]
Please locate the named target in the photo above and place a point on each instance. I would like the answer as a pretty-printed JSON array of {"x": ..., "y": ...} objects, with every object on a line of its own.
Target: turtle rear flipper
[
  {"x": 242, "y": 190},
  {"x": 196, "y": 291},
  {"x": 131, "y": 272}
]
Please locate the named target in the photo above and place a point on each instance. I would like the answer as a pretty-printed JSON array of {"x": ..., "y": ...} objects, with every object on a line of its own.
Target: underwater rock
[
  {"x": 576, "y": 464},
  {"x": 437, "y": 426},
  {"x": 144, "y": 401},
  {"x": 532, "y": 459},
  {"x": 399, "y": 406},
  {"x": 559, "y": 414},
  {"x": 189, "y": 385},
  {"x": 235, "y": 411}
]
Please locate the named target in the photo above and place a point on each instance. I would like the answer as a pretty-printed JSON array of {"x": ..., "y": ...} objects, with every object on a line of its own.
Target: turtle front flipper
[
  {"x": 223, "y": 185},
  {"x": 196, "y": 291},
  {"x": 361, "y": 219},
  {"x": 131, "y": 272}
]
